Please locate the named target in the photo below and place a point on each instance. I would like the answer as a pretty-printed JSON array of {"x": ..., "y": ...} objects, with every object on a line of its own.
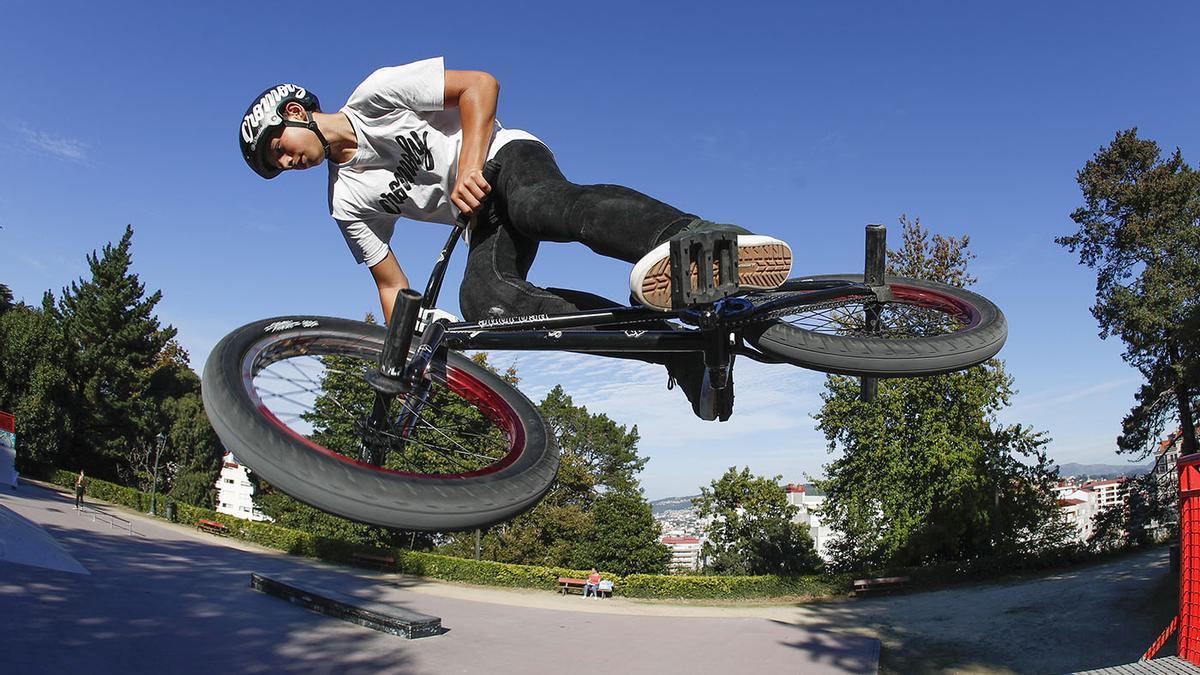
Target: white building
[
  {"x": 1080, "y": 504},
  {"x": 1109, "y": 493},
  {"x": 685, "y": 552},
  {"x": 1079, "y": 509},
  {"x": 809, "y": 514},
  {"x": 235, "y": 493}
]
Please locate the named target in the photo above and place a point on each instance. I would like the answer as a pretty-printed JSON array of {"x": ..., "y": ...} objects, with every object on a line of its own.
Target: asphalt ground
[
  {"x": 175, "y": 598},
  {"x": 169, "y": 599}
]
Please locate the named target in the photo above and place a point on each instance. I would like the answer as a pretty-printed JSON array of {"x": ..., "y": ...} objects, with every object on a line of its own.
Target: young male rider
[{"x": 412, "y": 141}]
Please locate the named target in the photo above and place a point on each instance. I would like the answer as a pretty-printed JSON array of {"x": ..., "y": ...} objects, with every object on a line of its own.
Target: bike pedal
[{"x": 704, "y": 268}]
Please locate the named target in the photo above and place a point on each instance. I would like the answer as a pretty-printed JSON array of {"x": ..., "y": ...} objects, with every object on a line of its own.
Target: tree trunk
[{"x": 1186, "y": 421}]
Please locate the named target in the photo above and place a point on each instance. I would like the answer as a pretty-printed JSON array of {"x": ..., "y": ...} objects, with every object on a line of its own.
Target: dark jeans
[{"x": 533, "y": 202}]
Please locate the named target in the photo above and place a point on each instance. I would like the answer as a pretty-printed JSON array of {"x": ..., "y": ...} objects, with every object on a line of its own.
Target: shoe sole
[{"x": 763, "y": 264}]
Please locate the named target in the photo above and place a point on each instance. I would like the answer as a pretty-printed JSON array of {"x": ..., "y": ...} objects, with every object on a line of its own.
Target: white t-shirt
[{"x": 407, "y": 157}]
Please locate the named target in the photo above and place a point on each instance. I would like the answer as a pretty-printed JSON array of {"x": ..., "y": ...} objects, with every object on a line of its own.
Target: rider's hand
[{"x": 469, "y": 190}]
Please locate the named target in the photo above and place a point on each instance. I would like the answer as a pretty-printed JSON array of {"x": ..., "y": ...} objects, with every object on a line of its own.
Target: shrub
[
  {"x": 481, "y": 572},
  {"x": 721, "y": 587}
]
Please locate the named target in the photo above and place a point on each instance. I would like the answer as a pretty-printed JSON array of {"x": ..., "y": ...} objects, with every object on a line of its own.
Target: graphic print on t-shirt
[
  {"x": 414, "y": 155},
  {"x": 406, "y": 161}
]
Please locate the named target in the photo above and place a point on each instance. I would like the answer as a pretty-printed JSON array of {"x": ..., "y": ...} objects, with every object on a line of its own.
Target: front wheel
[
  {"x": 288, "y": 397},
  {"x": 926, "y": 328}
]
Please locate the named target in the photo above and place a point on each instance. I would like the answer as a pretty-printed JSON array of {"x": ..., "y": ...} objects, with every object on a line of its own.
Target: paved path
[
  {"x": 171, "y": 584},
  {"x": 170, "y": 599}
]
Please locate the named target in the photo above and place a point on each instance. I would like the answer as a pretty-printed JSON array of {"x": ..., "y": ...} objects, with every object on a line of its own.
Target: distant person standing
[{"x": 80, "y": 483}]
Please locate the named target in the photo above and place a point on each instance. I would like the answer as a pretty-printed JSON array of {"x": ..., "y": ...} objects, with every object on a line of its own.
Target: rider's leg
[
  {"x": 495, "y": 286},
  {"x": 614, "y": 221},
  {"x": 532, "y": 194}
]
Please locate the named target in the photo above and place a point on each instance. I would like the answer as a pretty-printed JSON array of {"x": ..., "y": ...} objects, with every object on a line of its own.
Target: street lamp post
[{"x": 160, "y": 441}]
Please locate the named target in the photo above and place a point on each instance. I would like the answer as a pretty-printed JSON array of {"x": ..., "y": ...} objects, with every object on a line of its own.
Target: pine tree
[
  {"x": 6, "y": 298},
  {"x": 113, "y": 341},
  {"x": 1139, "y": 229}
]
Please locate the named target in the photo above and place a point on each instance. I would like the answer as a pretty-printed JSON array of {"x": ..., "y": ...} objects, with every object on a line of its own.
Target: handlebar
[{"x": 491, "y": 172}]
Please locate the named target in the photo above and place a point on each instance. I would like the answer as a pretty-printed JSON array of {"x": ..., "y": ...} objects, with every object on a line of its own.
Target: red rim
[
  {"x": 967, "y": 312},
  {"x": 485, "y": 399}
]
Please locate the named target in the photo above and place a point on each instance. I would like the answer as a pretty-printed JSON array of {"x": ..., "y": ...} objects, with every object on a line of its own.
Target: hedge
[
  {"x": 720, "y": 587},
  {"x": 480, "y": 572}
]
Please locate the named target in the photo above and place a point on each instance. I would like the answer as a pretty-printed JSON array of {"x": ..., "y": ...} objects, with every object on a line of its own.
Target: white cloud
[
  {"x": 58, "y": 146},
  {"x": 1053, "y": 399}
]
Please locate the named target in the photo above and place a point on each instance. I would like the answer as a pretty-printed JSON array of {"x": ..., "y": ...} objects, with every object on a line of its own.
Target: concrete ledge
[{"x": 373, "y": 615}]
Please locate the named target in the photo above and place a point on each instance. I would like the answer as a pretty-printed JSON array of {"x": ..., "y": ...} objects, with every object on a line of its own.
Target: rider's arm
[
  {"x": 389, "y": 278},
  {"x": 474, "y": 93}
]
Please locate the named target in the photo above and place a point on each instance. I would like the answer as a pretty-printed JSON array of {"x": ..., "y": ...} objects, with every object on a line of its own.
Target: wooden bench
[
  {"x": 864, "y": 586},
  {"x": 376, "y": 560},
  {"x": 212, "y": 527},
  {"x": 568, "y": 584}
]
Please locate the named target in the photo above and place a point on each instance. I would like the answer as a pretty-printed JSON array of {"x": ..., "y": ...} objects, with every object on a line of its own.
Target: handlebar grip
[{"x": 491, "y": 172}]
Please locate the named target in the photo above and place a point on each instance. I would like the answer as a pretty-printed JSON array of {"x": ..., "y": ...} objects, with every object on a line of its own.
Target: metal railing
[{"x": 101, "y": 517}]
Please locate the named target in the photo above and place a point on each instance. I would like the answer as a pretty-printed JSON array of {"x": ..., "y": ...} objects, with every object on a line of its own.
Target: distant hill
[
  {"x": 679, "y": 503},
  {"x": 1103, "y": 470},
  {"x": 671, "y": 504}
]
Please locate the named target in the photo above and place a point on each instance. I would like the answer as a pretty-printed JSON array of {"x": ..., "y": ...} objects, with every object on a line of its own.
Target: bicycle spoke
[
  {"x": 294, "y": 388},
  {"x": 848, "y": 318}
]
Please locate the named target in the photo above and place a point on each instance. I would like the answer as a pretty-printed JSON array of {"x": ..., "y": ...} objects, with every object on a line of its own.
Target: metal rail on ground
[{"x": 102, "y": 517}]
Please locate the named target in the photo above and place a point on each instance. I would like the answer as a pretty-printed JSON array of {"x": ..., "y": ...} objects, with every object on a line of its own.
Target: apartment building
[
  {"x": 685, "y": 552},
  {"x": 1109, "y": 493},
  {"x": 235, "y": 493},
  {"x": 1078, "y": 507},
  {"x": 809, "y": 513}
]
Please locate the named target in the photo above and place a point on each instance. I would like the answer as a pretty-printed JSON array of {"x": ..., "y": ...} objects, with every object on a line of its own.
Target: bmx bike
[{"x": 396, "y": 427}]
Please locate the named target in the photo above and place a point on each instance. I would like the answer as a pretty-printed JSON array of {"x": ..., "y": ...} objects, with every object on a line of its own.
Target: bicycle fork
[{"x": 398, "y": 375}]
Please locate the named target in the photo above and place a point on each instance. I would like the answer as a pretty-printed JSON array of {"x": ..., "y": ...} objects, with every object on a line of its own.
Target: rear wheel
[
  {"x": 926, "y": 328},
  {"x": 288, "y": 397}
]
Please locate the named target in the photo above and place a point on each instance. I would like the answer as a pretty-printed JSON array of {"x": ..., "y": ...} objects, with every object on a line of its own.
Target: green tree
[
  {"x": 343, "y": 400},
  {"x": 6, "y": 298},
  {"x": 1137, "y": 520},
  {"x": 193, "y": 452},
  {"x": 1139, "y": 228},
  {"x": 752, "y": 530},
  {"x": 607, "y": 449},
  {"x": 113, "y": 341},
  {"x": 623, "y": 536},
  {"x": 34, "y": 384},
  {"x": 927, "y": 473},
  {"x": 599, "y": 456}
]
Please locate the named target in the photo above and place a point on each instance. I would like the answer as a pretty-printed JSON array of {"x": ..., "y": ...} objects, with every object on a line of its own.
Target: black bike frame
[
  {"x": 610, "y": 331},
  {"x": 619, "y": 332}
]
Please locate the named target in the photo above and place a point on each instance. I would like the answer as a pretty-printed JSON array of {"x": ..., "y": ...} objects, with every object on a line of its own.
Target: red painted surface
[
  {"x": 1189, "y": 559},
  {"x": 8, "y": 422}
]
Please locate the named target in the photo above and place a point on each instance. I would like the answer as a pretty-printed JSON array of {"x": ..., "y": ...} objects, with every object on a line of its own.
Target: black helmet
[{"x": 264, "y": 120}]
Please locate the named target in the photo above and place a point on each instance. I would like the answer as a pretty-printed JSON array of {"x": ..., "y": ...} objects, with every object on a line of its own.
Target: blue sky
[{"x": 803, "y": 120}]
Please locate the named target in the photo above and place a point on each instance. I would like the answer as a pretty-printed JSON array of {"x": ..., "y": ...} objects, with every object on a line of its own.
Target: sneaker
[
  {"x": 763, "y": 264},
  {"x": 688, "y": 371}
]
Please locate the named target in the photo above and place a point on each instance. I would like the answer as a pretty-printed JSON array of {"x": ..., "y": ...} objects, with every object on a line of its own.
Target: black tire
[
  {"x": 497, "y": 488},
  {"x": 977, "y": 330}
]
